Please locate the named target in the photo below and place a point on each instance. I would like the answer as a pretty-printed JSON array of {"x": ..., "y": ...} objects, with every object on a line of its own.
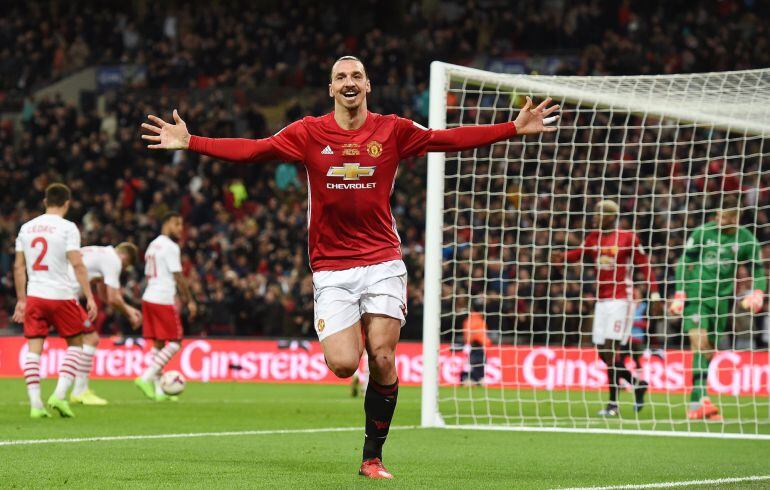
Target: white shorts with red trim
[
  {"x": 613, "y": 319},
  {"x": 342, "y": 297}
]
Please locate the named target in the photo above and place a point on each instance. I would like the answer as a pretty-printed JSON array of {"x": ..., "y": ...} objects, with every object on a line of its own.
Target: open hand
[
  {"x": 557, "y": 258},
  {"x": 18, "y": 311},
  {"x": 534, "y": 121},
  {"x": 91, "y": 309},
  {"x": 192, "y": 310},
  {"x": 167, "y": 136},
  {"x": 134, "y": 317}
]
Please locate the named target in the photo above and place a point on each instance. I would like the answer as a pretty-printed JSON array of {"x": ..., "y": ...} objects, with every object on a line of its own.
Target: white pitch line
[
  {"x": 673, "y": 484},
  {"x": 624, "y": 432},
  {"x": 139, "y": 437}
]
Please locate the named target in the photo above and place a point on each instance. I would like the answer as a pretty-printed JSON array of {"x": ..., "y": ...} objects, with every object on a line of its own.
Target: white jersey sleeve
[
  {"x": 45, "y": 242},
  {"x": 72, "y": 240},
  {"x": 174, "y": 258},
  {"x": 162, "y": 260},
  {"x": 111, "y": 266}
]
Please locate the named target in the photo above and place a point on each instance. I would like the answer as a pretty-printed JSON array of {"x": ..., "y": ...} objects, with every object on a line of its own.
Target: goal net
[{"x": 509, "y": 328}]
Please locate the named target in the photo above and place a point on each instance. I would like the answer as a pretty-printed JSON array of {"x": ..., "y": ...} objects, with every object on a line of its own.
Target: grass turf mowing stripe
[
  {"x": 26, "y": 442},
  {"x": 673, "y": 484}
]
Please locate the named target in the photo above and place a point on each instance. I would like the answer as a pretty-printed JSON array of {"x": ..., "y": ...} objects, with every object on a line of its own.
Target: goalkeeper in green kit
[{"x": 705, "y": 284}]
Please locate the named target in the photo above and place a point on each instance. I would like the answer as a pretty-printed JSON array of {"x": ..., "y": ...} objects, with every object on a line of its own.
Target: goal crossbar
[{"x": 747, "y": 115}]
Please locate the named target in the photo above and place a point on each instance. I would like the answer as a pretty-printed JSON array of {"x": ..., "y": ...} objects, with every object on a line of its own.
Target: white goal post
[{"x": 671, "y": 151}]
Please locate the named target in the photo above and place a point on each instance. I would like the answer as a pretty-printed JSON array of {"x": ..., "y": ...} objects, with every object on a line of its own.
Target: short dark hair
[
  {"x": 169, "y": 216},
  {"x": 57, "y": 194},
  {"x": 346, "y": 58}
]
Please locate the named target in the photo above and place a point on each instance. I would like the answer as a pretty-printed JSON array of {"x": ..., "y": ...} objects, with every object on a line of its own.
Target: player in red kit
[
  {"x": 615, "y": 253},
  {"x": 351, "y": 156}
]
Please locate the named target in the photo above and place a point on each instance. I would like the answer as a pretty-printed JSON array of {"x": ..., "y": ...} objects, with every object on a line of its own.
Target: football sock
[
  {"x": 69, "y": 368},
  {"x": 147, "y": 375},
  {"x": 160, "y": 359},
  {"x": 379, "y": 405},
  {"x": 158, "y": 389},
  {"x": 612, "y": 384},
  {"x": 622, "y": 372},
  {"x": 32, "y": 378},
  {"x": 86, "y": 363},
  {"x": 700, "y": 374},
  {"x": 616, "y": 372}
]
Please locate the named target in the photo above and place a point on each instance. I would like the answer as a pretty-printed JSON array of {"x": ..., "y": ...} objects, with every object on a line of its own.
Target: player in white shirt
[
  {"x": 161, "y": 322},
  {"x": 45, "y": 247},
  {"x": 104, "y": 265}
]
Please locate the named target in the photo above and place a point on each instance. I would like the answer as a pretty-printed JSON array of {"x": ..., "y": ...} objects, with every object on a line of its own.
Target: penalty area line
[
  {"x": 673, "y": 484},
  {"x": 187, "y": 435}
]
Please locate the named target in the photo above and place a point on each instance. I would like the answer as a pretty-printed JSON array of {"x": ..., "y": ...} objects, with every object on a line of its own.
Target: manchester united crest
[{"x": 374, "y": 148}]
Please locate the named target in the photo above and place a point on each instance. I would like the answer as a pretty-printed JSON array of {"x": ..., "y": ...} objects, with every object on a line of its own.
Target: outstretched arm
[
  {"x": 529, "y": 121},
  {"x": 168, "y": 136},
  {"x": 572, "y": 255}
]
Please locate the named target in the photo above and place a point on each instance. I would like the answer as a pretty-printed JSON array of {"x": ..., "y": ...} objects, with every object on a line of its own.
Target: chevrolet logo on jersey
[{"x": 350, "y": 171}]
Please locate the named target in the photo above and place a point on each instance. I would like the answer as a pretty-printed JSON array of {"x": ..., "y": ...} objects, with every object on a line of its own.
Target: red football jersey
[
  {"x": 351, "y": 176},
  {"x": 615, "y": 253}
]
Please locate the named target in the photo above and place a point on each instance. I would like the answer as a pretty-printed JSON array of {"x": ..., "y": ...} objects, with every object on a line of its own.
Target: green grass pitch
[{"x": 419, "y": 458}]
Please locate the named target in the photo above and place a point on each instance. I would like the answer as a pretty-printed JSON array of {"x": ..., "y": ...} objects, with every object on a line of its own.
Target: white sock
[
  {"x": 32, "y": 378},
  {"x": 86, "y": 363},
  {"x": 149, "y": 373},
  {"x": 69, "y": 368},
  {"x": 160, "y": 359},
  {"x": 158, "y": 389}
]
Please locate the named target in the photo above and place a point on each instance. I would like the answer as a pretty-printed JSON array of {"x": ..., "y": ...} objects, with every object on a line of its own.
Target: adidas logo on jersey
[{"x": 327, "y": 151}]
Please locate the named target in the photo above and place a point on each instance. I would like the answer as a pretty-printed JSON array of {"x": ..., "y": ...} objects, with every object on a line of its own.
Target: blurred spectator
[{"x": 245, "y": 243}]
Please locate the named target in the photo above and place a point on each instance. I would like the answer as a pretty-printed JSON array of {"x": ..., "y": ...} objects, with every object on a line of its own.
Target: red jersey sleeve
[
  {"x": 586, "y": 249},
  {"x": 414, "y": 139},
  {"x": 288, "y": 144}
]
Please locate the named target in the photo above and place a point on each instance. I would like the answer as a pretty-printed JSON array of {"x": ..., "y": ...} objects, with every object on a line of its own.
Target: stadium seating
[{"x": 244, "y": 248}]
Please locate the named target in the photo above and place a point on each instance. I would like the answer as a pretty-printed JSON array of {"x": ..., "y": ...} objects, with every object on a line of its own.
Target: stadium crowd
[
  {"x": 292, "y": 43},
  {"x": 244, "y": 248}
]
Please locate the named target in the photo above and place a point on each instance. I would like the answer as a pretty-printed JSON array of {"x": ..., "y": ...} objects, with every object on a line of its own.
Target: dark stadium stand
[{"x": 245, "y": 245}]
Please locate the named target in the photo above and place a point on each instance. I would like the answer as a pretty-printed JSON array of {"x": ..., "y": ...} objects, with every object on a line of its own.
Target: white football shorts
[
  {"x": 342, "y": 297},
  {"x": 613, "y": 319}
]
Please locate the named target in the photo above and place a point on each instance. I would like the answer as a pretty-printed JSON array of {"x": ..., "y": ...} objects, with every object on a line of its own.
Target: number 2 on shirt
[{"x": 38, "y": 265}]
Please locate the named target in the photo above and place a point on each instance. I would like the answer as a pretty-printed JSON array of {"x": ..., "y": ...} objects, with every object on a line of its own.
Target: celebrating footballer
[{"x": 351, "y": 157}]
